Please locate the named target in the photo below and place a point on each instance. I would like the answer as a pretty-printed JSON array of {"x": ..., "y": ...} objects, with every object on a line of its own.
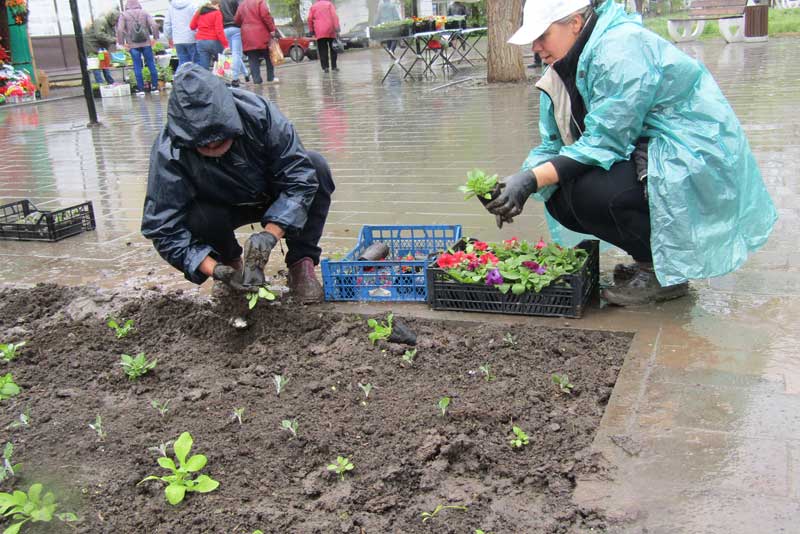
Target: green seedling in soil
[
  {"x": 342, "y": 466},
  {"x": 24, "y": 419},
  {"x": 32, "y": 506},
  {"x": 179, "y": 482},
  {"x": 366, "y": 388},
  {"x": 162, "y": 407},
  {"x": 479, "y": 531},
  {"x": 8, "y": 351},
  {"x": 479, "y": 185},
  {"x": 280, "y": 383},
  {"x": 290, "y": 425},
  {"x": 121, "y": 330},
  {"x": 439, "y": 507},
  {"x": 563, "y": 383},
  {"x": 380, "y": 330},
  {"x": 444, "y": 403},
  {"x": 8, "y": 388},
  {"x": 161, "y": 448},
  {"x": 136, "y": 366},
  {"x": 97, "y": 426},
  {"x": 508, "y": 339},
  {"x": 409, "y": 355},
  {"x": 486, "y": 369},
  {"x": 262, "y": 293},
  {"x": 521, "y": 438},
  {"x": 238, "y": 414},
  {"x": 8, "y": 470}
]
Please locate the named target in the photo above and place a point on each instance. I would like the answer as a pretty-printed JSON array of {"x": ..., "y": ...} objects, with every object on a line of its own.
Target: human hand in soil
[
  {"x": 514, "y": 191},
  {"x": 230, "y": 276},
  {"x": 257, "y": 249}
]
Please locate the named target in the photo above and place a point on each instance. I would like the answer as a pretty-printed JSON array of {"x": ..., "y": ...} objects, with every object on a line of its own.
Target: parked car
[
  {"x": 356, "y": 37},
  {"x": 293, "y": 45}
]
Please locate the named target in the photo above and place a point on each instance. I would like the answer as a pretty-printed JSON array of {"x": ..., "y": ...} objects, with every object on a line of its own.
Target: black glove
[
  {"x": 256, "y": 255},
  {"x": 229, "y": 275},
  {"x": 514, "y": 192}
]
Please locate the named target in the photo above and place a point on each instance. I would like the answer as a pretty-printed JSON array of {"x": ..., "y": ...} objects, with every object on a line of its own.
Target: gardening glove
[
  {"x": 230, "y": 276},
  {"x": 514, "y": 192},
  {"x": 256, "y": 255}
]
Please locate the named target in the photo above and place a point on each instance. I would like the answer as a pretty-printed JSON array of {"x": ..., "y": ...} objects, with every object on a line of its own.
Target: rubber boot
[
  {"x": 303, "y": 284},
  {"x": 624, "y": 272},
  {"x": 643, "y": 288}
]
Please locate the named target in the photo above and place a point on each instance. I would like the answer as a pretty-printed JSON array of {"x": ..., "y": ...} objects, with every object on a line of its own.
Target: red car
[{"x": 293, "y": 45}]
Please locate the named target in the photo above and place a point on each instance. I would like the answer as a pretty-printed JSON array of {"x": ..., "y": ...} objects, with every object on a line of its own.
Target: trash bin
[{"x": 756, "y": 20}]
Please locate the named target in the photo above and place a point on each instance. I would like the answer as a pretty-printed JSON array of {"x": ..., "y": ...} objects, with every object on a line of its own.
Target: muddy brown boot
[
  {"x": 643, "y": 288},
  {"x": 303, "y": 284},
  {"x": 624, "y": 272}
]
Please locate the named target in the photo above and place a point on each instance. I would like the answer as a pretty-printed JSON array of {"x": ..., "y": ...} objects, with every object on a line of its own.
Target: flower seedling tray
[
  {"x": 21, "y": 221},
  {"x": 567, "y": 296},
  {"x": 392, "y": 279}
]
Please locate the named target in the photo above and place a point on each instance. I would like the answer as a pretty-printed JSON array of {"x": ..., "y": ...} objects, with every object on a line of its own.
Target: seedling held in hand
[
  {"x": 136, "y": 366},
  {"x": 290, "y": 425},
  {"x": 444, "y": 403},
  {"x": 409, "y": 355},
  {"x": 280, "y": 383},
  {"x": 262, "y": 293},
  {"x": 342, "y": 466},
  {"x": 8, "y": 351},
  {"x": 486, "y": 369},
  {"x": 162, "y": 407},
  {"x": 479, "y": 185},
  {"x": 366, "y": 388},
  {"x": 8, "y": 388},
  {"x": 520, "y": 439},
  {"x": 179, "y": 482},
  {"x": 8, "y": 469},
  {"x": 563, "y": 383},
  {"x": 238, "y": 414},
  {"x": 380, "y": 330},
  {"x": 439, "y": 507},
  {"x": 97, "y": 426},
  {"x": 123, "y": 330},
  {"x": 32, "y": 506}
]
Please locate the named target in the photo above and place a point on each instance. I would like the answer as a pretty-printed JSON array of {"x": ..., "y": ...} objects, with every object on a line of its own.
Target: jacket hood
[
  {"x": 208, "y": 8},
  {"x": 133, "y": 4},
  {"x": 182, "y": 4},
  {"x": 201, "y": 109}
]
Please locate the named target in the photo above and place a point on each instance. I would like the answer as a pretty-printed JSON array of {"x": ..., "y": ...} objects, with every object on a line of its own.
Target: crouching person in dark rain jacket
[{"x": 227, "y": 158}]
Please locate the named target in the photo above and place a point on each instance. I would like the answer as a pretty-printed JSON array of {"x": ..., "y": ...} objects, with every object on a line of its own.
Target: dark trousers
[
  {"x": 215, "y": 224},
  {"x": 327, "y": 53},
  {"x": 610, "y": 205},
  {"x": 254, "y": 57}
]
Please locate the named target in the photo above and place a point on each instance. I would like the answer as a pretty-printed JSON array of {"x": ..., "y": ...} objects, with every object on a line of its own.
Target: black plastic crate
[
  {"x": 565, "y": 297},
  {"x": 44, "y": 225}
]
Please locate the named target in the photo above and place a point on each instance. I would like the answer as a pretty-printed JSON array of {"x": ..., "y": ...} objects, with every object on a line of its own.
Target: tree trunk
[
  {"x": 297, "y": 19},
  {"x": 504, "y": 60}
]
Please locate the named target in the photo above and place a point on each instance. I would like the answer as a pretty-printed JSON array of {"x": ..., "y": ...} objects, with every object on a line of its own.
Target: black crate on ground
[
  {"x": 21, "y": 221},
  {"x": 565, "y": 297}
]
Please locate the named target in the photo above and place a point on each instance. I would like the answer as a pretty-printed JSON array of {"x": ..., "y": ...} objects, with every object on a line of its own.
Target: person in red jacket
[
  {"x": 255, "y": 20},
  {"x": 210, "y": 34},
  {"x": 324, "y": 24}
]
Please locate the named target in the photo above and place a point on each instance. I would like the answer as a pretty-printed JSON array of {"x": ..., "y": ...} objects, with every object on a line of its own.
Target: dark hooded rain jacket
[{"x": 266, "y": 165}]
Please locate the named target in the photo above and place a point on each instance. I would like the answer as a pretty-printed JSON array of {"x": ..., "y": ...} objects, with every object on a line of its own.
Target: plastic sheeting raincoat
[
  {"x": 708, "y": 204},
  {"x": 266, "y": 164}
]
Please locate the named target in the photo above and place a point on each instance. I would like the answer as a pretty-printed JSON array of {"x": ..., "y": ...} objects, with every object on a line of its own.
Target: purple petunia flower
[
  {"x": 540, "y": 270},
  {"x": 494, "y": 277}
]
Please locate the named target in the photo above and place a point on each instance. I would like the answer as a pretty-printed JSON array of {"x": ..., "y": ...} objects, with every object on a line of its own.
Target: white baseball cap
[{"x": 538, "y": 15}]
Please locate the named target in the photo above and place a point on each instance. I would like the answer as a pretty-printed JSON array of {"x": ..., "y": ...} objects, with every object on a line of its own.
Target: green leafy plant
[
  {"x": 8, "y": 469},
  {"x": 366, "y": 388},
  {"x": 479, "y": 184},
  {"x": 520, "y": 439},
  {"x": 280, "y": 383},
  {"x": 24, "y": 419},
  {"x": 32, "y": 506},
  {"x": 8, "y": 351},
  {"x": 342, "y": 466},
  {"x": 262, "y": 293},
  {"x": 290, "y": 425},
  {"x": 409, "y": 355},
  {"x": 238, "y": 414},
  {"x": 443, "y": 404},
  {"x": 179, "y": 482},
  {"x": 427, "y": 516},
  {"x": 97, "y": 426},
  {"x": 136, "y": 366},
  {"x": 486, "y": 369},
  {"x": 508, "y": 339},
  {"x": 380, "y": 330},
  {"x": 121, "y": 330},
  {"x": 8, "y": 388},
  {"x": 563, "y": 383},
  {"x": 162, "y": 407}
]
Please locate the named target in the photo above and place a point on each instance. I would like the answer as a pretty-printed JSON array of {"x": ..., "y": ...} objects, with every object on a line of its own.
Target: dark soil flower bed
[{"x": 407, "y": 458}]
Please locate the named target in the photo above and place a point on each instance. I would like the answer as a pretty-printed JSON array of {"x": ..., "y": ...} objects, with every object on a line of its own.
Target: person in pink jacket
[
  {"x": 257, "y": 25},
  {"x": 324, "y": 24}
]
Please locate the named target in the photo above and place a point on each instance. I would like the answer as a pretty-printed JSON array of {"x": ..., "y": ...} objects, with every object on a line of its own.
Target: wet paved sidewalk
[{"x": 703, "y": 428}]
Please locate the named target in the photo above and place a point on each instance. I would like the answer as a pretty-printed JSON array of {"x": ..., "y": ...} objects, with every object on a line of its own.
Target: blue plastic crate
[{"x": 390, "y": 279}]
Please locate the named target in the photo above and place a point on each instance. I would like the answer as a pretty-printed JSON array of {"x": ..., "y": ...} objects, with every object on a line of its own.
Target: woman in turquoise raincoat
[{"x": 639, "y": 148}]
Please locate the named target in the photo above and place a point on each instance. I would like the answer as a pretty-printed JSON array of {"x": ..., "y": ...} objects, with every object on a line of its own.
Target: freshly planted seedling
[
  {"x": 426, "y": 516},
  {"x": 380, "y": 330},
  {"x": 280, "y": 383},
  {"x": 179, "y": 482},
  {"x": 342, "y": 466},
  {"x": 161, "y": 448},
  {"x": 479, "y": 185},
  {"x": 136, "y": 366},
  {"x": 8, "y": 469},
  {"x": 443, "y": 404},
  {"x": 8, "y": 351},
  {"x": 290, "y": 425},
  {"x": 238, "y": 414},
  {"x": 563, "y": 383},
  {"x": 366, "y": 388},
  {"x": 486, "y": 369},
  {"x": 24, "y": 419},
  {"x": 97, "y": 426},
  {"x": 32, "y": 506},
  {"x": 121, "y": 330},
  {"x": 520, "y": 439},
  {"x": 8, "y": 388},
  {"x": 409, "y": 355},
  {"x": 262, "y": 293},
  {"x": 508, "y": 339},
  {"x": 162, "y": 407}
]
